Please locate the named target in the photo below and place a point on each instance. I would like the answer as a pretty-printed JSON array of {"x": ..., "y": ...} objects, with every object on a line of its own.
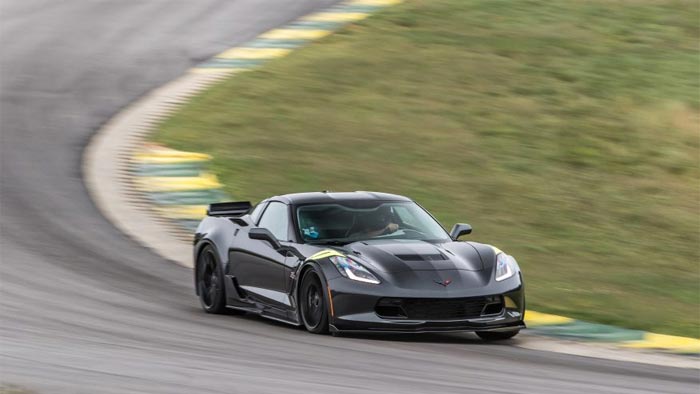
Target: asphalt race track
[{"x": 86, "y": 310}]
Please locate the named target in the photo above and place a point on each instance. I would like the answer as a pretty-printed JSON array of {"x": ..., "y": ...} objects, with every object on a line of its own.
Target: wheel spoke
[
  {"x": 210, "y": 264},
  {"x": 313, "y": 306}
]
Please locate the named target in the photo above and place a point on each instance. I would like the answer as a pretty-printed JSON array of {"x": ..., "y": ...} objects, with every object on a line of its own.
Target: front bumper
[
  {"x": 353, "y": 308},
  {"x": 408, "y": 327}
]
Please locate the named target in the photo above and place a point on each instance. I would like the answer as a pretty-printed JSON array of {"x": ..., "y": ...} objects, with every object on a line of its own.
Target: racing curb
[
  {"x": 157, "y": 195},
  {"x": 566, "y": 328}
]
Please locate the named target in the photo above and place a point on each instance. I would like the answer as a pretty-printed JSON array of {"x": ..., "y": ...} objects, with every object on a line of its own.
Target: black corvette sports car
[{"x": 360, "y": 261}]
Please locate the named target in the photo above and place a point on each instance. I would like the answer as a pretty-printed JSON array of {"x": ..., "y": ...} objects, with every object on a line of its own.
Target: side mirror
[
  {"x": 460, "y": 229},
  {"x": 263, "y": 234}
]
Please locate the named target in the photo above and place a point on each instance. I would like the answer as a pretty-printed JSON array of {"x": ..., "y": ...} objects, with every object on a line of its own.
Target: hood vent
[{"x": 422, "y": 257}]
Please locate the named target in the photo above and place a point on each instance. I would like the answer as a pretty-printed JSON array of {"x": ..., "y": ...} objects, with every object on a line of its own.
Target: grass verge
[{"x": 565, "y": 132}]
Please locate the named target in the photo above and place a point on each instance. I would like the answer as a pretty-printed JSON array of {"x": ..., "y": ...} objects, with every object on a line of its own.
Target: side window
[
  {"x": 276, "y": 219},
  {"x": 255, "y": 215}
]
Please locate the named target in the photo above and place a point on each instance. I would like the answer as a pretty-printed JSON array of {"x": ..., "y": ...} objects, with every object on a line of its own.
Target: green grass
[{"x": 566, "y": 132}]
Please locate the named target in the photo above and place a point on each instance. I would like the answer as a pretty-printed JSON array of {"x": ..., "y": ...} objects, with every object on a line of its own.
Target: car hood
[{"x": 393, "y": 256}]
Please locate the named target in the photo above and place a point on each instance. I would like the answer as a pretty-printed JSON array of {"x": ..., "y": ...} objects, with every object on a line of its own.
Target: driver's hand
[{"x": 391, "y": 227}]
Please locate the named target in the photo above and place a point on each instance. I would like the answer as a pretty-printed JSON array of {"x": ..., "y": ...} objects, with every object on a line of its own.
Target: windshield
[{"x": 339, "y": 224}]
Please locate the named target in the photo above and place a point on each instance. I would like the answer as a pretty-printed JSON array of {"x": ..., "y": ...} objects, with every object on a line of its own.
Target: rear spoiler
[{"x": 231, "y": 209}]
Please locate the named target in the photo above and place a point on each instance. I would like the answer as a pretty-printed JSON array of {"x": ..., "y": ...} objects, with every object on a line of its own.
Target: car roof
[{"x": 337, "y": 197}]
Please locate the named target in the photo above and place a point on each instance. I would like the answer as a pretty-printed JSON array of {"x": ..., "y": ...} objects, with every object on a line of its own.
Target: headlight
[
  {"x": 506, "y": 266},
  {"x": 351, "y": 269}
]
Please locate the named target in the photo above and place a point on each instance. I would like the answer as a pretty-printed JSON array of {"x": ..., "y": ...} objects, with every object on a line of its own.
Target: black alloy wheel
[
  {"x": 210, "y": 282},
  {"x": 314, "y": 309}
]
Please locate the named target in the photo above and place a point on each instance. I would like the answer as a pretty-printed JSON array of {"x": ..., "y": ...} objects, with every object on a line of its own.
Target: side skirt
[{"x": 263, "y": 314}]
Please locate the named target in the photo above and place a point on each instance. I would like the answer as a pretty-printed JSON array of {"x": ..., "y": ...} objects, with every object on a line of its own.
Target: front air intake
[{"x": 438, "y": 308}]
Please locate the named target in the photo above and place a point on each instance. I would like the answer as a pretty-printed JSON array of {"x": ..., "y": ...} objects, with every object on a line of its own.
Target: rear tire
[
  {"x": 313, "y": 304},
  {"x": 497, "y": 335},
  {"x": 210, "y": 282}
]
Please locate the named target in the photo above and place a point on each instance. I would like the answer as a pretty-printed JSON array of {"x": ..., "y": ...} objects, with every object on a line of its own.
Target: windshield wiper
[{"x": 334, "y": 242}]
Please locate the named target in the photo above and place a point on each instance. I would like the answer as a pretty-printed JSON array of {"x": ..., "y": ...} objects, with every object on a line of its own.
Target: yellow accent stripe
[
  {"x": 534, "y": 319},
  {"x": 254, "y": 53},
  {"x": 183, "y": 211},
  {"x": 325, "y": 253},
  {"x": 335, "y": 16},
  {"x": 667, "y": 342},
  {"x": 496, "y": 250},
  {"x": 173, "y": 184},
  {"x": 295, "y": 34}
]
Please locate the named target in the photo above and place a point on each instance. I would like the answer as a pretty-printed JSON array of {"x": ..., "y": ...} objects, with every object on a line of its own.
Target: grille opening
[
  {"x": 390, "y": 311},
  {"x": 493, "y": 309},
  {"x": 438, "y": 308}
]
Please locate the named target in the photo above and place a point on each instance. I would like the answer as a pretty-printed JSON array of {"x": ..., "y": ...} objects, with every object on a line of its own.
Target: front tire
[
  {"x": 210, "y": 282},
  {"x": 497, "y": 335},
  {"x": 313, "y": 304}
]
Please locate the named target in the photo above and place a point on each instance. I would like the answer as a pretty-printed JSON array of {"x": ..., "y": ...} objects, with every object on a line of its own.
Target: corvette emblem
[{"x": 444, "y": 283}]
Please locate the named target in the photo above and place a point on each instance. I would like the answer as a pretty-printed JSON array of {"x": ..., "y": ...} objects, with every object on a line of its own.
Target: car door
[{"x": 258, "y": 268}]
